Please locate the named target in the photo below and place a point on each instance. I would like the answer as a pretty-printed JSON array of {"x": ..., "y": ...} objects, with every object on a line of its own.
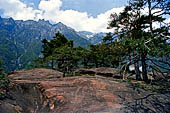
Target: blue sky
[
  {"x": 92, "y": 7},
  {"x": 82, "y": 15}
]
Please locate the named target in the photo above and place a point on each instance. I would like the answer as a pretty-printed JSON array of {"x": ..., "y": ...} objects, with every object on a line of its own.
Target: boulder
[
  {"x": 102, "y": 71},
  {"x": 107, "y": 72},
  {"x": 83, "y": 71}
]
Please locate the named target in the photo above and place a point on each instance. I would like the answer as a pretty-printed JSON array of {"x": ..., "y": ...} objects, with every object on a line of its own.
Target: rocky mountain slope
[
  {"x": 20, "y": 41},
  {"x": 97, "y": 38},
  {"x": 45, "y": 91},
  {"x": 93, "y": 38}
]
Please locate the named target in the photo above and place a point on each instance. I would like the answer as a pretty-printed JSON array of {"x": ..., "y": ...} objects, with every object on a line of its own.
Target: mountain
[
  {"x": 97, "y": 38},
  {"x": 94, "y": 38},
  {"x": 18, "y": 45},
  {"x": 20, "y": 41},
  {"x": 85, "y": 34},
  {"x": 43, "y": 29},
  {"x": 71, "y": 34}
]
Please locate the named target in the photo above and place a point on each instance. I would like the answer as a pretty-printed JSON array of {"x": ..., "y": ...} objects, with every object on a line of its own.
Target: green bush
[{"x": 4, "y": 83}]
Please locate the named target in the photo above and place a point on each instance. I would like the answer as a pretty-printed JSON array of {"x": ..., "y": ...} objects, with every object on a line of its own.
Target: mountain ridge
[{"x": 20, "y": 41}]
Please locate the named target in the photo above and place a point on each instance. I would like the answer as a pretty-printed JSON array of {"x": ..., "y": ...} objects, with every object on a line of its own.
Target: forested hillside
[{"x": 20, "y": 41}]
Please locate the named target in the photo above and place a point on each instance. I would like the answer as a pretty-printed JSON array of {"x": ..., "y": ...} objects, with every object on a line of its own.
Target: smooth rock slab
[{"x": 80, "y": 95}]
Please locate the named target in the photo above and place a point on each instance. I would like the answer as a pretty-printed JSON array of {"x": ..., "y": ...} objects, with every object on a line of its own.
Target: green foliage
[
  {"x": 67, "y": 58},
  {"x": 101, "y": 55},
  {"x": 158, "y": 86},
  {"x": 83, "y": 55},
  {"x": 37, "y": 63},
  {"x": 17, "y": 51},
  {"x": 140, "y": 40},
  {"x": 50, "y": 48},
  {"x": 60, "y": 54},
  {"x": 4, "y": 82},
  {"x": 143, "y": 86},
  {"x": 108, "y": 38},
  {"x": 1, "y": 69}
]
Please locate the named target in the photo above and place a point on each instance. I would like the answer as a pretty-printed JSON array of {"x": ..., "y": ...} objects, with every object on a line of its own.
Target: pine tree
[
  {"x": 83, "y": 55},
  {"x": 137, "y": 33},
  {"x": 49, "y": 48},
  {"x": 66, "y": 57}
]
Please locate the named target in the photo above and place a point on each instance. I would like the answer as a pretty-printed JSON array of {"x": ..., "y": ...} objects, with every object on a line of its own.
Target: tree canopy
[{"x": 139, "y": 36}]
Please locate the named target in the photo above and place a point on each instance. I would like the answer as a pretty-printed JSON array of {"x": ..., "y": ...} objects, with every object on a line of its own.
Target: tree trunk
[
  {"x": 144, "y": 71},
  {"x": 52, "y": 63},
  {"x": 96, "y": 63},
  {"x": 64, "y": 75},
  {"x": 150, "y": 15},
  {"x": 85, "y": 62},
  {"x": 136, "y": 67},
  {"x": 137, "y": 71}
]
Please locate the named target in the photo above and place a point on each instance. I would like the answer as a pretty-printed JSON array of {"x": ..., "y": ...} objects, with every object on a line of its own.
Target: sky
[{"x": 81, "y": 15}]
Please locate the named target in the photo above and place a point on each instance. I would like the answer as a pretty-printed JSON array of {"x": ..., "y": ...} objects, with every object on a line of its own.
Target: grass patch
[
  {"x": 158, "y": 86},
  {"x": 141, "y": 85},
  {"x": 4, "y": 84}
]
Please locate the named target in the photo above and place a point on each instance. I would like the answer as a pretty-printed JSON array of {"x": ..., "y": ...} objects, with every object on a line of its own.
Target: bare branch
[{"x": 158, "y": 65}]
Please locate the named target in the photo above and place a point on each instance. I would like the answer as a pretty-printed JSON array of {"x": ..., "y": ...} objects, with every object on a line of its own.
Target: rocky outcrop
[
  {"x": 101, "y": 71},
  {"x": 48, "y": 94},
  {"x": 83, "y": 71},
  {"x": 38, "y": 74}
]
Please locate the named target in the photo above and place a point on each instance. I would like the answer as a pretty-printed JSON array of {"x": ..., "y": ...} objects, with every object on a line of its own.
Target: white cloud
[
  {"x": 50, "y": 5},
  {"x": 50, "y": 10},
  {"x": 18, "y": 10},
  {"x": 80, "y": 21}
]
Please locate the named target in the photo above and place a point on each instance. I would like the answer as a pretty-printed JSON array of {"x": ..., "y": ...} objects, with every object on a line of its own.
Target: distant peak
[
  {"x": 11, "y": 20},
  {"x": 60, "y": 23},
  {"x": 44, "y": 21},
  {"x": 41, "y": 20}
]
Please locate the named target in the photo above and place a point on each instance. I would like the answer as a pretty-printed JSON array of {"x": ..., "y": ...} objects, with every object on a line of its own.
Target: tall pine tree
[
  {"x": 138, "y": 33},
  {"x": 49, "y": 48}
]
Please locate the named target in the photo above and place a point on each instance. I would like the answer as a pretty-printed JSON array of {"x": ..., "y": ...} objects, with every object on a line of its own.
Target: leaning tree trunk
[{"x": 144, "y": 71}]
